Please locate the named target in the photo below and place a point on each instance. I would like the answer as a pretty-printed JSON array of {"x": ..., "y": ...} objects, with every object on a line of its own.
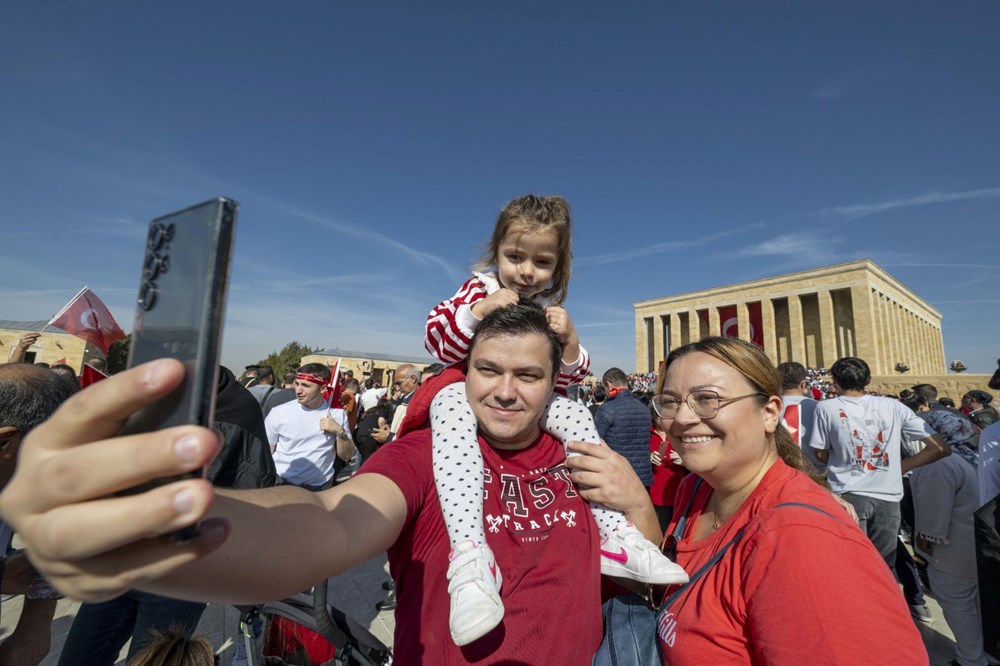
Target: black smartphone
[{"x": 179, "y": 314}]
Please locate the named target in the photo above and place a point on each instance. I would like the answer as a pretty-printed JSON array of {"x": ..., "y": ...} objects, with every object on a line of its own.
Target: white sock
[
  {"x": 458, "y": 465},
  {"x": 569, "y": 421}
]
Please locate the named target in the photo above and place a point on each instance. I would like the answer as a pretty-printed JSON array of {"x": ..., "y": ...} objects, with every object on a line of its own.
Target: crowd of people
[{"x": 516, "y": 510}]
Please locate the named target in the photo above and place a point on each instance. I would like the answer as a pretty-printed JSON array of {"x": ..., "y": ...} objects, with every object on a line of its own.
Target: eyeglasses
[{"x": 704, "y": 404}]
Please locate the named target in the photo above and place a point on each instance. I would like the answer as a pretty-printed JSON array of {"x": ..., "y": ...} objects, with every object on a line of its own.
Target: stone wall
[
  {"x": 953, "y": 385},
  {"x": 50, "y": 347}
]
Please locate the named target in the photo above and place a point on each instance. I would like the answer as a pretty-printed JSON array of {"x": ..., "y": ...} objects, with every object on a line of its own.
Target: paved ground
[{"x": 356, "y": 593}]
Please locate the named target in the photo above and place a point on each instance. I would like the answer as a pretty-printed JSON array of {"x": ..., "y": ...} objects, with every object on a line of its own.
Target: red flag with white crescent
[
  {"x": 86, "y": 316},
  {"x": 792, "y": 421}
]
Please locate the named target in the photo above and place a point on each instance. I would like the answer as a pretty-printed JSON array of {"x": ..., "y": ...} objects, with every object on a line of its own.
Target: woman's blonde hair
[
  {"x": 173, "y": 648},
  {"x": 535, "y": 213},
  {"x": 751, "y": 362}
]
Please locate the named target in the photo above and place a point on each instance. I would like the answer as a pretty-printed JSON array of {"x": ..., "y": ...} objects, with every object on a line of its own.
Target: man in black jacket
[{"x": 623, "y": 423}]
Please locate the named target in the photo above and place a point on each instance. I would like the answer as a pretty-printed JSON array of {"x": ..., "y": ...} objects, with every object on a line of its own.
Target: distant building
[
  {"x": 381, "y": 367},
  {"x": 813, "y": 317},
  {"x": 54, "y": 346}
]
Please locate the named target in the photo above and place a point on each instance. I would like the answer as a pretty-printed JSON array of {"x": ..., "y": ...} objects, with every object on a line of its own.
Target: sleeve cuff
[
  {"x": 569, "y": 368},
  {"x": 467, "y": 322}
]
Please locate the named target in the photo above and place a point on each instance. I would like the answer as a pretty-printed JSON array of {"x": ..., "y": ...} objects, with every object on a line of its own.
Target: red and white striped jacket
[{"x": 451, "y": 324}]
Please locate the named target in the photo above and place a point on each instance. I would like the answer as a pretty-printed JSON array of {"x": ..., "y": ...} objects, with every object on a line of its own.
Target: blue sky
[{"x": 372, "y": 144}]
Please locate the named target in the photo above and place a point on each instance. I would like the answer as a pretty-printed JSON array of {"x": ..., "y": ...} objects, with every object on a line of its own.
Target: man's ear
[{"x": 9, "y": 436}]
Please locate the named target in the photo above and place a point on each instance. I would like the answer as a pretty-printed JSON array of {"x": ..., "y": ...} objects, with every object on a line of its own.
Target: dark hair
[
  {"x": 64, "y": 371},
  {"x": 523, "y": 318},
  {"x": 289, "y": 377},
  {"x": 945, "y": 401},
  {"x": 751, "y": 362},
  {"x": 318, "y": 369},
  {"x": 174, "y": 648},
  {"x": 432, "y": 370},
  {"x": 792, "y": 374},
  {"x": 927, "y": 391},
  {"x": 265, "y": 372},
  {"x": 912, "y": 399},
  {"x": 536, "y": 213},
  {"x": 851, "y": 373},
  {"x": 600, "y": 394},
  {"x": 354, "y": 385},
  {"x": 615, "y": 376},
  {"x": 981, "y": 397},
  {"x": 29, "y": 396}
]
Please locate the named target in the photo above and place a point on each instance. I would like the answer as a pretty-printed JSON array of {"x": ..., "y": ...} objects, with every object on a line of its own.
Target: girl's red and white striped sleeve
[
  {"x": 573, "y": 373},
  {"x": 451, "y": 324}
]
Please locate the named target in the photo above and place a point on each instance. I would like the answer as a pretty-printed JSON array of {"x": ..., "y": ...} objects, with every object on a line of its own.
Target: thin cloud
[
  {"x": 855, "y": 211},
  {"x": 832, "y": 90},
  {"x": 359, "y": 232},
  {"x": 803, "y": 246},
  {"x": 659, "y": 248}
]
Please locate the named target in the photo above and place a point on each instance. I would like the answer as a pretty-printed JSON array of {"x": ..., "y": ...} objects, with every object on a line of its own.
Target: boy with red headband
[{"x": 309, "y": 437}]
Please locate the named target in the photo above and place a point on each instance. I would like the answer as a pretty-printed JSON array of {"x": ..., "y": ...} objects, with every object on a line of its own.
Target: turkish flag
[
  {"x": 729, "y": 323},
  {"x": 90, "y": 375},
  {"x": 791, "y": 420},
  {"x": 85, "y": 316},
  {"x": 333, "y": 390}
]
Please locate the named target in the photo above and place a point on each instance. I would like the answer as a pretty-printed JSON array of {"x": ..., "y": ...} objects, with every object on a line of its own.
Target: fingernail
[
  {"x": 213, "y": 531},
  {"x": 153, "y": 373},
  {"x": 186, "y": 448},
  {"x": 184, "y": 501}
]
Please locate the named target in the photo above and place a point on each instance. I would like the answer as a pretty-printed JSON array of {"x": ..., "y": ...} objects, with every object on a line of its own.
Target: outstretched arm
[{"x": 92, "y": 545}]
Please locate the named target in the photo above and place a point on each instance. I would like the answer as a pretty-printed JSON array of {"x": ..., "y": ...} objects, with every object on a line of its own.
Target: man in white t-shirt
[
  {"x": 309, "y": 439},
  {"x": 859, "y": 437},
  {"x": 798, "y": 410}
]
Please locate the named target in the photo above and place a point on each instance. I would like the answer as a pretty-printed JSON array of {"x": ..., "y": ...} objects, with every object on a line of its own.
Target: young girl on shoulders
[{"x": 528, "y": 256}]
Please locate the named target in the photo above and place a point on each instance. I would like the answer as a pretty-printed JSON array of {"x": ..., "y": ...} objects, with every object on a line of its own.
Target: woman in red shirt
[{"x": 779, "y": 572}]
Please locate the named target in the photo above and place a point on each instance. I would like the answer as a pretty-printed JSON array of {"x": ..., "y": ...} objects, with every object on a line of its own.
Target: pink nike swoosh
[
  {"x": 493, "y": 569},
  {"x": 617, "y": 557}
]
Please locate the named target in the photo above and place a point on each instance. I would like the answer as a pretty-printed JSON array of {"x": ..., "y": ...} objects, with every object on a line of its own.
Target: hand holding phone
[{"x": 179, "y": 314}]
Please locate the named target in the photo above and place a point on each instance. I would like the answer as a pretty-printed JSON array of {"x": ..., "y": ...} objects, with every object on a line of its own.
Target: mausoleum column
[
  {"x": 714, "y": 325},
  {"x": 770, "y": 336},
  {"x": 864, "y": 344},
  {"x": 743, "y": 321},
  {"x": 796, "y": 333},
  {"x": 675, "y": 331},
  {"x": 827, "y": 329}
]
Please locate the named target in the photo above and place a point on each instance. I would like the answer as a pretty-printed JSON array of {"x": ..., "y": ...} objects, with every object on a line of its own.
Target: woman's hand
[{"x": 88, "y": 543}]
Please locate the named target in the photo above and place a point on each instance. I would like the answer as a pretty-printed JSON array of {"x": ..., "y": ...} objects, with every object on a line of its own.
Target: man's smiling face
[{"x": 509, "y": 382}]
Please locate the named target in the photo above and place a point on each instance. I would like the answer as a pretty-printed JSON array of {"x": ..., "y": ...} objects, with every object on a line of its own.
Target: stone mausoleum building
[{"x": 813, "y": 317}]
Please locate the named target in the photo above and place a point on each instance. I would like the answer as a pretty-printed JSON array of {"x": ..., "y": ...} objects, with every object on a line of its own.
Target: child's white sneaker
[
  {"x": 474, "y": 587},
  {"x": 626, "y": 553}
]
